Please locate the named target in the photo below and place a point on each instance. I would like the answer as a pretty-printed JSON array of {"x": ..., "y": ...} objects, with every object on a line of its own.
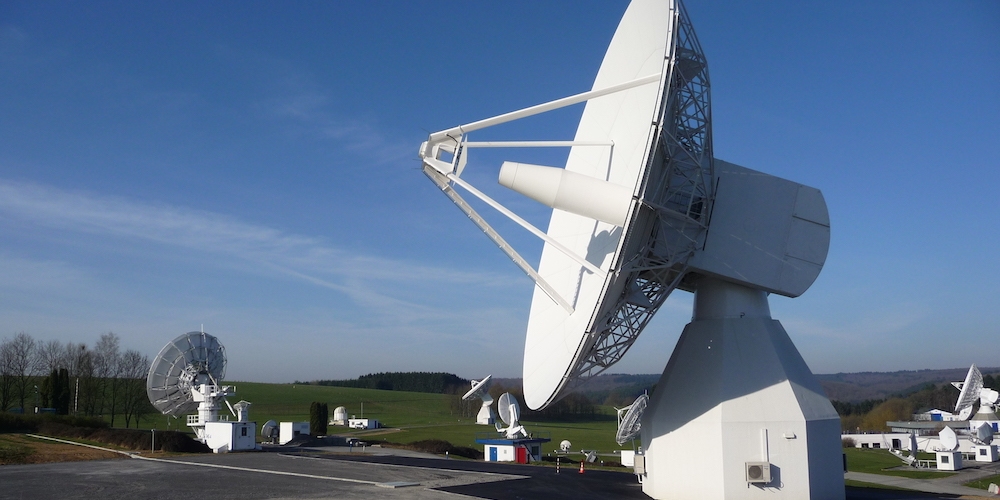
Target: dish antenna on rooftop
[
  {"x": 982, "y": 433},
  {"x": 640, "y": 209},
  {"x": 479, "y": 389},
  {"x": 510, "y": 413},
  {"x": 949, "y": 440}
]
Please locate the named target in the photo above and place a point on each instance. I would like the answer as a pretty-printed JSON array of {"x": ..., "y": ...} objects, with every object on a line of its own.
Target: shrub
[
  {"x": 14, "y": 422},
  {"x": 848, "y": 443},
  {"x": 439, "y": 447}
]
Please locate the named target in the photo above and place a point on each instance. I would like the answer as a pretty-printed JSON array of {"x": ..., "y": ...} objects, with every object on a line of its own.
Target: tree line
[
  {"x": 871, "y": 415},
  {"x": 72, "y": 378},
  {"x": 574, "y": 406},
  {"x": 432, "y": 382}
]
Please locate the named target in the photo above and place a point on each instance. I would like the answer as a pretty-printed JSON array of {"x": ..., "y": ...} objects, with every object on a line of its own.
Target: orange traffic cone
[{"x": 581, "y": 466}]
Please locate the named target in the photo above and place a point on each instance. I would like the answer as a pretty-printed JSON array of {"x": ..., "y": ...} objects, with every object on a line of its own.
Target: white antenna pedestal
[
  {"x": 208, "y": 397},
  {"x": 486, "y": 416},
  {"x": 737, "y": 392}
]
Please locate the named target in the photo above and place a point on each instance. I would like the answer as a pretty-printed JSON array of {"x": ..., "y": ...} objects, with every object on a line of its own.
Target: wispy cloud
[{"x": 364, "y": 278}]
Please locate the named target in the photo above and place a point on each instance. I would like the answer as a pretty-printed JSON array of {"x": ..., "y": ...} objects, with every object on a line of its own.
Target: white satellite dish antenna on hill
[
  {"x": 185, "y": 377},
  {"x": 510, "y": 413},
  {"x": 971, "y": 391},
  {"x": 642, "y": 208},
  {"x": 479, "y": 389},
  {"x": 629, "y": 419}
]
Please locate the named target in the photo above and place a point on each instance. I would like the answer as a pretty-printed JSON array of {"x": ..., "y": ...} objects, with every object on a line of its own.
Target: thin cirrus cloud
[{"x": 300, "y": 257}]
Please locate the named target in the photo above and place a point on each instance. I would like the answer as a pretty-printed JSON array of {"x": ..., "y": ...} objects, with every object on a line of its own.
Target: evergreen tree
[{"x": 62, "y": 395}]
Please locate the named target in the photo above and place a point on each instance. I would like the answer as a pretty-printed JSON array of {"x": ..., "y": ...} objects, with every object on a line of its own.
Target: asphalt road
[{"x": 305, "y": 474}]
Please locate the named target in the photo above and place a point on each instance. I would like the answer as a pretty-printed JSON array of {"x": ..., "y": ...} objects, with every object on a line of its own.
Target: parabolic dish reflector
[
  {"x": 186, "y": 362},
  {"x": 661, "y": 136},
  {"x": 970, "y": 389},
  {"x": 630, "y": 426},
  {"x": 509, "y": 410},
  {"x": 949, "y": 440},
  {"x": 478, "y": 388}
]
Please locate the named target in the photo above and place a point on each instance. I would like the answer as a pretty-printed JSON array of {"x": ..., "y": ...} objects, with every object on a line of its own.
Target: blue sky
[{"x": 251, "y": 166}]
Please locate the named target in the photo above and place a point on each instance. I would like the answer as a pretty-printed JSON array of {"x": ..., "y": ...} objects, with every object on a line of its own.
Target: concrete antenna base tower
[{"x": 737, "y": 413}]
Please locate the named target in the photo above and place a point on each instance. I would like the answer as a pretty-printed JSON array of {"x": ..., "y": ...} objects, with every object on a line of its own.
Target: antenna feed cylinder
[{"x": 569, "y": 191}]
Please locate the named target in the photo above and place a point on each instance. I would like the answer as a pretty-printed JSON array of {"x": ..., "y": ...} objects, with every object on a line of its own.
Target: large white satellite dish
[
  {"x": 185, "y": 377},
  {"x": 629, "y": 420},
  {"x": 479, "y": 390},
  {"x": 642, "y": 208},
  {"x": 970, "y": 389},
  {"x": 185, "y": 363}
]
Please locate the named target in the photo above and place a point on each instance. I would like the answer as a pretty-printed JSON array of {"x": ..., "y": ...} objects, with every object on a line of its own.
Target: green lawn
[
  {"x": 862, "y": 484},
  {"x": 983, "y": 483},
  {"x": 408, "y": 416},
  {"x": 873, "y": 461}
]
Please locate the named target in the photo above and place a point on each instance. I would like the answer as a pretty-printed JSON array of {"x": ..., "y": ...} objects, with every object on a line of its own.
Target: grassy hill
[{"x": 408, "y": 416}]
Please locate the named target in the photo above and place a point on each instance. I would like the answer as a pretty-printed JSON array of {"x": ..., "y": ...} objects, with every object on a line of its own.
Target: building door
[
  {"x": 493, "y": 453},
  {"x": 522, "y": 455}
]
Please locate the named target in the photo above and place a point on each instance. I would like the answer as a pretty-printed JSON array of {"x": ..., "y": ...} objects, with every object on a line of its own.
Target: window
[
  {"x": 944, "y": 459},
  {"x": 982, "y": 451},
  {"x": 243, "y": 432},
  {"x": 877, "y": 445}
]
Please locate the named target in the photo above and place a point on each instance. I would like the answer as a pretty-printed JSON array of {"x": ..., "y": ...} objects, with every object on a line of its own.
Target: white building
[{"x": 363, "y": 423}]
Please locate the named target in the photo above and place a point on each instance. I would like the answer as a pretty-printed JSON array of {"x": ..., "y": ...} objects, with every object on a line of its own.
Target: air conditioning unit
[{"x": 758, "y": 472}]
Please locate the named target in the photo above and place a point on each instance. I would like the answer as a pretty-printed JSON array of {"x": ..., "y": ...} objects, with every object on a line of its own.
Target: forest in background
[{"x": 74, "y": 379}]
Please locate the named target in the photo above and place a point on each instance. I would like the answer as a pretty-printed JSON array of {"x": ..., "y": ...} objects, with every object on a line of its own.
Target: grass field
[
  {"x": 407, "y": 416},
  {"x": 874, "y": 461},
  {"x": 983, "y": 483}
]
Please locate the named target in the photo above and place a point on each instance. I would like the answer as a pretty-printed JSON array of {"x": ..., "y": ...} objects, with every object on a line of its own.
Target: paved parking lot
[
  {"x": 280, "y": 475},
  {"x": 311, "y": 474}
]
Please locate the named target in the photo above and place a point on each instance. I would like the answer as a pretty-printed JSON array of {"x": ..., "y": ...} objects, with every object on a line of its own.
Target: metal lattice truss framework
[
  {"x": 180, "y": 367},
  {"x": 672, "y": 219},
  {"x": 668, "y": 224}
]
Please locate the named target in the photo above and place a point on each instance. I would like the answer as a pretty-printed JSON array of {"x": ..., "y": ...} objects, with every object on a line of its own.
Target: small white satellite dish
[
  {"x": 565, "y": 445},
  {"x": 949, "y": 440},
  {"x": 982, "y": 433},
  {"x": 630, "y": 418},
  {"x": 269, "y": 431},
  {"x": 510, "y": 413},
  {"x": 479, "y": 389}
]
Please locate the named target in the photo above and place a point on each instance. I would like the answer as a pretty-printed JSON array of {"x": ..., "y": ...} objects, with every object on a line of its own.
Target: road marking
[
  {"x": 263, "y": 471},
  {"x": 127, "y": 454},
  {"x": 510, "y": 476}
]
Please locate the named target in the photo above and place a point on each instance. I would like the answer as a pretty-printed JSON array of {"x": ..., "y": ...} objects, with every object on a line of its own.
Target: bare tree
[
  {"x": 50, "y": 357},
  {"x": 6, "y": 376},
  {"x": 86, "y": 386},
  {"x": 22, "y": 352},
  {"x": 135, "y": 402},
  {"x": 108, "y": 370}
]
